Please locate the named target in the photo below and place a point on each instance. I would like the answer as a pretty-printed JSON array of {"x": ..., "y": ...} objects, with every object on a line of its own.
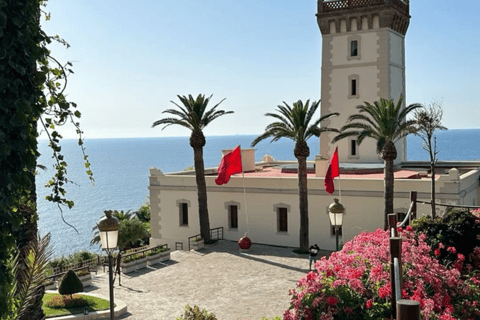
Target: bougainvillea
[{"x": 354, "y": 283}]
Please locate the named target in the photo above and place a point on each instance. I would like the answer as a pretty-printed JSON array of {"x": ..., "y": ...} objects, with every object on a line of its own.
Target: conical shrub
[{"x": 70, "y": 284}]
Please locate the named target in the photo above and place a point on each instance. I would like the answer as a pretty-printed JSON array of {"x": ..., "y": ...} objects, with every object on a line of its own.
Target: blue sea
[{"x": 121, "y": 168}]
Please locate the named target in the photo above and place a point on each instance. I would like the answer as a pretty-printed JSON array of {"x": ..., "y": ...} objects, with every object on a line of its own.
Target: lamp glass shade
[
  {"x": 109, "y": 239},
  {"x": 336, "y": 219}
]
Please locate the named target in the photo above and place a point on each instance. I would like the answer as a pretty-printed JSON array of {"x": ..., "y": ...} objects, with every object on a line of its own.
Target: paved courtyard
[{"x": 219, "y": 278}]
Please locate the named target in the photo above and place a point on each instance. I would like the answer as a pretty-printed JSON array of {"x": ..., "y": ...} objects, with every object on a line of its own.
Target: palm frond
[{"x": 33, "y": 274}]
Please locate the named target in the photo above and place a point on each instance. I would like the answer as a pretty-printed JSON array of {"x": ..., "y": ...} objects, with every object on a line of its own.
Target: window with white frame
[
  {"x": 183, "y": 206},
  {"x": 353, "y": 86},
  {"x": 233, "y": 216}
]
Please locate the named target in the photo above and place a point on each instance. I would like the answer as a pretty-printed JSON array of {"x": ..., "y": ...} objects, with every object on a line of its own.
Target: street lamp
[
  {"x": 108, "y": 227},
  {"x": 335, "y": 211}
]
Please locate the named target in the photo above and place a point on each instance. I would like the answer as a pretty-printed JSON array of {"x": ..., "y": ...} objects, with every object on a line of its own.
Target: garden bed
[{"x": 95, "y": 304}]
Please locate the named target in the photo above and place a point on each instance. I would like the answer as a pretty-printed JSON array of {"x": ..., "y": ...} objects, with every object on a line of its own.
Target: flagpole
[
  {"x": 340, "y": 189},
  {"x": 245, "y": 198}
]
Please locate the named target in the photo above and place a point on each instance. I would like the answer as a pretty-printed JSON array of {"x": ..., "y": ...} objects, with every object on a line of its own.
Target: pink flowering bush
[{"x": 354, "y": 283}]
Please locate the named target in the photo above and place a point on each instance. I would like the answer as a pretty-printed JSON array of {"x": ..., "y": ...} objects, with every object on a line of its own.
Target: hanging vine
[{"x": 32, "y": 86}]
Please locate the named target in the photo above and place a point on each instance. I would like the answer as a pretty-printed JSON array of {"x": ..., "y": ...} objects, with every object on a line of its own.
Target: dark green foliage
[
  {"x": 458, "y": 228},
  {"x": 70, "y": 284},
  {"x": 196, "y": 314},
  {"x": 144, "y": 212},
  {"x": 130, "y": 232}
]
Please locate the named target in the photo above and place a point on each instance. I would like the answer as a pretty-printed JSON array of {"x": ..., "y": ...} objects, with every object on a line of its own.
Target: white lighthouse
[{"x": 363, "y": 59}]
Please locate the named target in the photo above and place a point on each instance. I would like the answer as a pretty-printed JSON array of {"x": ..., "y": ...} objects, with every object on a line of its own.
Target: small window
[
  {"x": 354, "y": 87},
  {"x": 353, "y": 147},
  {"x": 233, "y": 212},
  {"x": 184, "y": 214},
  {"x": 282, "y": 220},
  {"x": 354, "y": 48},
  {"x": 332, "y": 231}
]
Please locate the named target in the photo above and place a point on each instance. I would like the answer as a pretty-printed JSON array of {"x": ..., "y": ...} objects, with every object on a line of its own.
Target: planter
[
  {"x": 197, "y": 245},
  {"x": 141, "y": 263},
  {"x": 86, "y": 280},
  {"x": 157, "y": 258},
  {"x": 128, "y": 267}
]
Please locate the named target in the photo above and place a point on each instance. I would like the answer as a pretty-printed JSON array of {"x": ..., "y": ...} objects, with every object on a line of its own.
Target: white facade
[{"x": 362, "y": 198}]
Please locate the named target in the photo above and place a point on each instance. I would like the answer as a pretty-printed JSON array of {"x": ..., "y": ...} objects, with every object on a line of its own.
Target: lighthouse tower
[{"x": 363, "y": 59}]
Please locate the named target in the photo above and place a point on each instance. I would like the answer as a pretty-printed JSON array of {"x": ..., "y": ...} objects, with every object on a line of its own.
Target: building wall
[{"x": 362, "y": 198}]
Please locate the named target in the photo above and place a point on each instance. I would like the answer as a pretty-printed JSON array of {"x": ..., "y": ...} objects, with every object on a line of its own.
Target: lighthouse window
[
  {"x": 354, "y": 48},
  {"x": 353, "y": 147},
  {"x": 354, "y": 87}
]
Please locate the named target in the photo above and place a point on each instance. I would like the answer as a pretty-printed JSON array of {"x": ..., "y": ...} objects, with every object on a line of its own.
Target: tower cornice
[{"x": 393, "y": 14}]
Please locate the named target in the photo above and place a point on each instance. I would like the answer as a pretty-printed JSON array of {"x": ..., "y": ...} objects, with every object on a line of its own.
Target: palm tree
[
  {"x": 296, "y": 123},
  {"x": 385, "y": 122},
  {"x": 120, "y": 215},
  {"x": 193, "y": 114},
  {"x": 428, "y": 120}
]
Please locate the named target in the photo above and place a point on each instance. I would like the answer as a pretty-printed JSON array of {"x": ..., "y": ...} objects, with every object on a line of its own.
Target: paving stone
[{"x": 219, "y": 278}]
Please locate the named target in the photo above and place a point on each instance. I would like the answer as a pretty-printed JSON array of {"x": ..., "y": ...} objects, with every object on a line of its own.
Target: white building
[{"x": 363, "y": 59}]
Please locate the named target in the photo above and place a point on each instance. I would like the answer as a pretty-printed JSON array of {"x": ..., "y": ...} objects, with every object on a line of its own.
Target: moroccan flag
[
  {"x": 332, "y": 172},
  {"x": 231, "y": 163}
]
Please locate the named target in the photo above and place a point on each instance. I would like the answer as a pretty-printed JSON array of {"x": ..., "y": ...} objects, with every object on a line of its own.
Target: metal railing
[
  {"x": 412, "y": 211},
  {"x": 215, "y": 234},
  {"x": 347, "y": 4}
]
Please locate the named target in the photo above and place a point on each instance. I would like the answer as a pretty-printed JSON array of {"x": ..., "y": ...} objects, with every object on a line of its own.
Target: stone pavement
[{"x": 219, "y": 278}]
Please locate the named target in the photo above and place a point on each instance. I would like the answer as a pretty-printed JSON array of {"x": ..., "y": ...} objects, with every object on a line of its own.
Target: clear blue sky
[{"x": 132, "y": 57}]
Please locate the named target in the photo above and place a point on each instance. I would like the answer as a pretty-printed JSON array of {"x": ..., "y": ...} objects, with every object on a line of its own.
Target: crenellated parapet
[{"x": 351, "y": 15}]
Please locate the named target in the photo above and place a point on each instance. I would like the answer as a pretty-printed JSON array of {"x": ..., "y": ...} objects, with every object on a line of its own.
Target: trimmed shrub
[
  {"x": 70, "y": 284},
  {"x": 196, "y": 314}
]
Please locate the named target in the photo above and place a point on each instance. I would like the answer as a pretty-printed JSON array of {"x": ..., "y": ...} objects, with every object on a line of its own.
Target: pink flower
[
  {"x": 452, "y": 250},
  {"x": 436, "y": 252},
  {"x": 369, "y": 303},
  {"x": 409, "y": 228},
  {"x": 441, "y": 246},
  {"x": 331, "y": 300},
  {"x": 385, "y": 291}
]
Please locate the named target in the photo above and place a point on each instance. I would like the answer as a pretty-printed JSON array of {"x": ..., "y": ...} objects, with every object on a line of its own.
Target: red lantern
[{"x": 244, "y": 242}]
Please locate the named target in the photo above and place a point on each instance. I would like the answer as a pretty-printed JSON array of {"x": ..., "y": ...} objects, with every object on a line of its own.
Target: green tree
[
  {"x": 428, "y": 120},
  {"x": 143, "y": 213},
  {"x": 193, "y": 115},
  {"x": 387, "y": 123},
  {"x": 131, "y": 231},
  {"x": 298, "y": 125}
]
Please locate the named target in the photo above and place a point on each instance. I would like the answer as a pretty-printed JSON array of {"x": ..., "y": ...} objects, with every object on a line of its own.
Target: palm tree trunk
[
  {"x": 388, "y": 190},
  {"x": 202, "y": 193},
  {"x": 432, "y": 167},
  {"x": 303, "y": 196}
]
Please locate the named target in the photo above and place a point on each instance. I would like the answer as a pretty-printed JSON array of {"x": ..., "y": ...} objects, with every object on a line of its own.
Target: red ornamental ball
[{"x": 244, "y": 242}]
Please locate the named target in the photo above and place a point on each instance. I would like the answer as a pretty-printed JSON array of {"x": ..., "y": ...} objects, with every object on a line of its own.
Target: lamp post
[
  {"x": 335, "y": 212},
  {"x": 108, "y": 227}
]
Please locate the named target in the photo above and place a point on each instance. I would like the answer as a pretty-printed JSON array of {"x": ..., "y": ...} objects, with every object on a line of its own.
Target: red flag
[
  {"x": 231, "y": 163},
  {"x": 332, "y": 172}
]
